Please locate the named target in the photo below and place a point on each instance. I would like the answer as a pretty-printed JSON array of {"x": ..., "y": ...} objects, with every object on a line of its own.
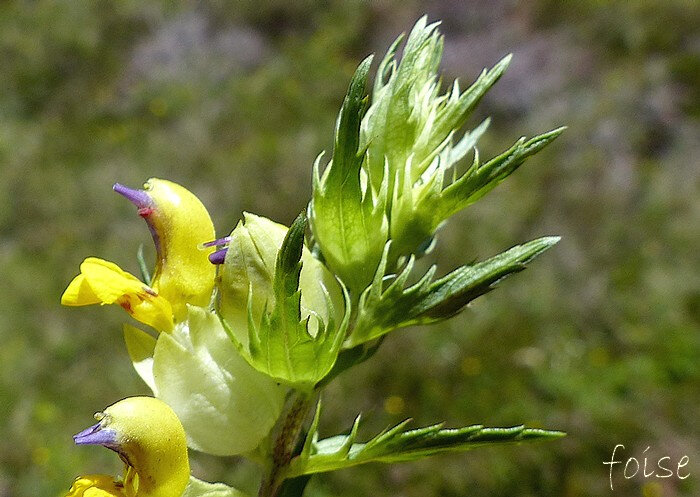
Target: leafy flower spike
[
  {"x": 179, "y": 224},
  {"x": 150, "y": 440},
  {"x": 259, "y": 322}
]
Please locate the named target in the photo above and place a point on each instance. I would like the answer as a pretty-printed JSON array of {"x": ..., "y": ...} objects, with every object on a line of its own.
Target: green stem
[{"x": 284, "y": 441}]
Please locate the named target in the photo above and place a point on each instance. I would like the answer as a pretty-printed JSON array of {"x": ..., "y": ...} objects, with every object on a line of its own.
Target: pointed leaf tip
[
  {"x": 503, "y": 64},
  {"x": 537, "y": 433},
  {"x": 399, "y": 445},
  {"x": 291, "y": 250}
]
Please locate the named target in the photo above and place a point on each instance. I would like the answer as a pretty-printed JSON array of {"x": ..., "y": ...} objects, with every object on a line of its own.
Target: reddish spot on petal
[
  {"x": 145, "y": 211},
  {"x": 126, "y": 305}
]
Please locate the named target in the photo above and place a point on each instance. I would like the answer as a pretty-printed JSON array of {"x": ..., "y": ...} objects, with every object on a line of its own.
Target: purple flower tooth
[
  {"x": 218, "y": 257},
  {"x": 97, "y": 435},
  {"x": 139, "y": 198},
  {"x": 143, "y": 201}
]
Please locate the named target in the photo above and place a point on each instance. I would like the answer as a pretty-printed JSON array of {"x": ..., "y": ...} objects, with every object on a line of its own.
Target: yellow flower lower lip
[
  {"x": 103, "y": 282},
  {"x": 96, "y": 486}
]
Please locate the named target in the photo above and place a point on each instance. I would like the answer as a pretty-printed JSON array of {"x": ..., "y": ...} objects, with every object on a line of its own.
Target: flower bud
[{"x": 248, "y": 272}]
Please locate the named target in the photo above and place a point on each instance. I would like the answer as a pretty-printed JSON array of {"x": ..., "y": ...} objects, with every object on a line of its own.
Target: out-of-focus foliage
[{"x": 236, "y": 99}]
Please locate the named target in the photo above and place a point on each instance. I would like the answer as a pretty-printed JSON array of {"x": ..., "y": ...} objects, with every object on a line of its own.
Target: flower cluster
[{"x": 243, "y": 332}]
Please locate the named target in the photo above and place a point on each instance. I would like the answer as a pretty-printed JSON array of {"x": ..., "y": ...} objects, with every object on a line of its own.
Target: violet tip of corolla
[
  {"x": 97, "y": 435},
  {"x": 139, "y": 198}
]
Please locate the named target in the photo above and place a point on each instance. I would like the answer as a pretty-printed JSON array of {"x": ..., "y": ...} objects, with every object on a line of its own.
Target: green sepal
[
  {"x": 398, "y": 445},
  {"x": 347, "y": 217},
  {"x": 385, "y": 307},
  {"x": 225, "y": 405},
  {"x": 280, "y": 344},
  {"x": 200, "y": 488},
  {"x": 247, "y": 275}
]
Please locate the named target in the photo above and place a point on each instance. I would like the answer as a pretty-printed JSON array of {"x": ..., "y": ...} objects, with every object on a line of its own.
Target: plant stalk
[{"x": 285, "y": 437}]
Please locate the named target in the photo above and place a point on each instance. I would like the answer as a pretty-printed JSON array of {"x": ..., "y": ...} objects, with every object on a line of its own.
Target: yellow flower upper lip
[
  {"x": 103, "y": 282},
  {"x": 179, "y": 224},
  {"x": 145, "y": 204}
]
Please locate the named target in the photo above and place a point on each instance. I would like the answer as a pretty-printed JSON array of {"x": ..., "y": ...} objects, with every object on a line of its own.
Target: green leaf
[
  {"x": 350, "y": 357},
  {"x": 281, "y": 344},
  {"x": 398, "y": 115},
  {"x": 420, "y": 207},
  {"x": 199, "y": 488},
  {"x": 481, "y": 179},
  {"x": 399, "y": 445},
  {"x": 347, "y": 217},
  {"x": 459, "y": 106},
  {"x": 409, "y": 133},
  {"x": 346, "y": 154},
  {"x": 412, "y": 221},
  {"x": 382, "y": 310}
]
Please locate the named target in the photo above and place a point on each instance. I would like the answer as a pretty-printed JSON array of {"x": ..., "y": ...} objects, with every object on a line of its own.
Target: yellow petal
[
  {"x": 79, "y": 292},
  {"x": 108, "y": 281},
  {"x": 96, "y": 486},
  {"x": 103, "y": 282},
  {"x": 154, "y": 311}
]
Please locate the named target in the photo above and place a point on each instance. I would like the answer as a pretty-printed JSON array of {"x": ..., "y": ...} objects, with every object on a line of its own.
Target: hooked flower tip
[
  {"x": 97, "y": 435},
  {"x": 139, "y": 198}
]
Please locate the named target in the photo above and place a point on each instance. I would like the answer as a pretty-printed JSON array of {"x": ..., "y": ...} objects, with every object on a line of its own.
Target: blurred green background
[{"x": 600, "y": 337}]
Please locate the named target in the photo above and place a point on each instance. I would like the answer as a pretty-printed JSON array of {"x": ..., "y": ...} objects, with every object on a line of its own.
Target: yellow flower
[
  {"x": 183, "y": 275},
  {"x": 150, "y": 439},
  {"x": 103, "y": 282},
  {"x": 96, "y": 486}
]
